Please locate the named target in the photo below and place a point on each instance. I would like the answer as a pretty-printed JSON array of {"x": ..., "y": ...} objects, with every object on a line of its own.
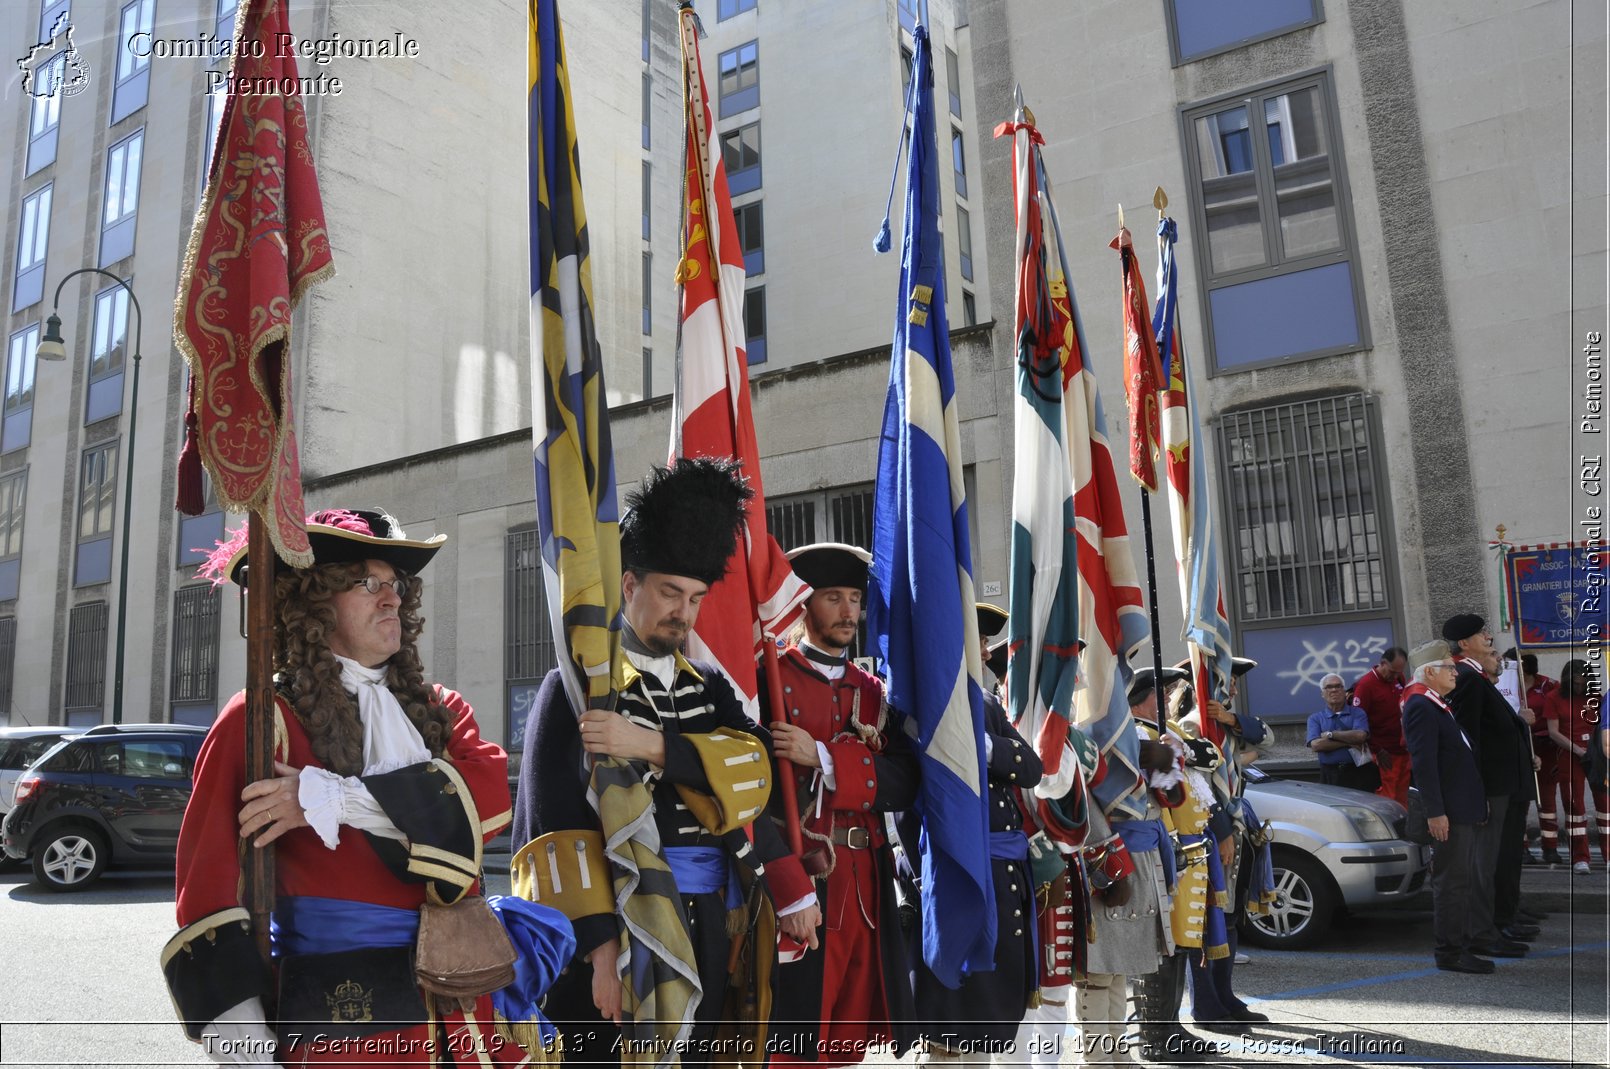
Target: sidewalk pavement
[{"x": 1556, "y": 889}]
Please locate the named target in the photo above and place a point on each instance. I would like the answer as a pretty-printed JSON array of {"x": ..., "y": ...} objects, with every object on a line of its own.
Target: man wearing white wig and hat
[{"x": 383, "y": 795}]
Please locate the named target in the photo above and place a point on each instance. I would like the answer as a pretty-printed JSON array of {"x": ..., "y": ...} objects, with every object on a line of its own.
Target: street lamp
[{"x": 52, "y": 347}]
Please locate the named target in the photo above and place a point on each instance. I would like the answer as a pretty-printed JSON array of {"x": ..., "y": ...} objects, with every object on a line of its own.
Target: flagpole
[
  {"x": 1520, "y": 674},
  {"x": 259, "y": 712}
]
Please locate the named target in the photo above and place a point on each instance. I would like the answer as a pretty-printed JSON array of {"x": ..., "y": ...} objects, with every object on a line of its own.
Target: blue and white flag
[{"x": 920, "y": 606}]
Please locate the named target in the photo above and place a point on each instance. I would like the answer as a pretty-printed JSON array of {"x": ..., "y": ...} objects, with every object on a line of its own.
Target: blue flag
[{"x": 920, "y": 606}]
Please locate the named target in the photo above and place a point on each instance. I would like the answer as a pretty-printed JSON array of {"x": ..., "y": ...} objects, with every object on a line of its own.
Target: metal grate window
[
  {"x": 792, "y": 520},
  {"x": 194, "y": 675},
  {"x": 86, "y": 658},
  {"x": 1303, "y": 508},
  {"x": 528, "y": 651},
  {"x": 8, "y": 664}
]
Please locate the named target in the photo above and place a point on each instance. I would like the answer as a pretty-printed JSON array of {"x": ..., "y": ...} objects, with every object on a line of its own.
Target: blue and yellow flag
[
  {"x": 920, "y": 605},
  {"x": 578, "y": 520}
]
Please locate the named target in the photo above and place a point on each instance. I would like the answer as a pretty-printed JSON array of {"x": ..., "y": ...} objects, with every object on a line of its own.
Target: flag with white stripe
[
  {"x": 711, "y": 417},
  {"x": 920, "y": 603}
]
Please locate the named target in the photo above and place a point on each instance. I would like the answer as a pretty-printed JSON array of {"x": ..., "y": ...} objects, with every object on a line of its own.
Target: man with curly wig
[{"x": 383, "y": 795}]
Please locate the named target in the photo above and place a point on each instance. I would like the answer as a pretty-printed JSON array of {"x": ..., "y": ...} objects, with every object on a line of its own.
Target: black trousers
[
  {"x": 1488, "y": 847},
  {"x": 1456, "y": 888},
  {"x": 1507, "y": 873}
]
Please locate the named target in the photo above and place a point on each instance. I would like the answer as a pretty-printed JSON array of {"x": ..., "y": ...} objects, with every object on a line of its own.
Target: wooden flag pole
[
  {"x": 259, "y": 712},
  {"x": 785, "y": 769}
]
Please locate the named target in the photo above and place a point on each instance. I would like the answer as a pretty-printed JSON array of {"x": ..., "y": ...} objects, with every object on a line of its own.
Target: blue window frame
[
  {"x": 13, "y": 498},
  {"x": 755, "y": 324},
  {"x": 108, "y": 348},
  {"x": 97, "y": 507},
  {"x": 44, "y": 120},
  {"x": 122, "y": 204},
  {"x": 740, "y": 152},
  {"x": 751, "y": 237},
  {"x": 726, "y": 9},
  {"x": 1276, "y": 252},
  {"x": 32, "y": 239},
  {"x": 739, "y": 72},
  {"x": 18, "y": 413},
  {"x": 133, "y": 85},
  {"x": 1199, "y": 28},
  {"x": 964, "y": 241}
]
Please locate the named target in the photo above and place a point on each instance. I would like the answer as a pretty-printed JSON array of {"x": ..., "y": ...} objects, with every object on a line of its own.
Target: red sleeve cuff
[
  {"x": 855, "y": 777},
  {"x": 787, "y": 882}
]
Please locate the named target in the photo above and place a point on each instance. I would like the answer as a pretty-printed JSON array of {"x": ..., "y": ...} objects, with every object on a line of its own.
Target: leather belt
[{"x": 856, "y": 838}]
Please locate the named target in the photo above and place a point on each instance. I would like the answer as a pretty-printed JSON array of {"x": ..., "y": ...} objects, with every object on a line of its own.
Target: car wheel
[
  {"x": 69, "y": 859},
  {"x": 1305, "y": 903}
]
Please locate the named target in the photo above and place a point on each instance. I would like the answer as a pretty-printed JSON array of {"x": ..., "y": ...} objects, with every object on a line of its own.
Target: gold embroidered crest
[{"x": 350, "y": 1004}]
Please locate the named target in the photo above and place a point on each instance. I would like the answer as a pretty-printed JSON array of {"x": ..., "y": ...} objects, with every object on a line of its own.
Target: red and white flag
[{"x": 710, "y": 414}]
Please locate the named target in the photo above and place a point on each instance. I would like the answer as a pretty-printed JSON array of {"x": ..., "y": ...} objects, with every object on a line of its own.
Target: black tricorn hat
[
  {"x": 827, "y": 564},
  {"x": 991, "y": 618},
  {"x": 684, "y": 520},
  {"x": 338, "y": 536},
  {"x": 1458, "y": 628},
  {"x": 1239, "y": 666},
  {"x": 1141, "y": 685}
]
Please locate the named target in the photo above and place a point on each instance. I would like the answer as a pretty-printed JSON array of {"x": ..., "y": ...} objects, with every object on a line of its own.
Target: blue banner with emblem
[{"x": 1557, "y": 595}]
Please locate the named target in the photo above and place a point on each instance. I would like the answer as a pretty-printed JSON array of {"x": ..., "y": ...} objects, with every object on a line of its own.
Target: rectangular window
[
  {"x": 906, "y": 60},
  {"x": 209, "y": 145},
  {"x": 909, "y": 13},
  {"x": 17, "y": 429},
  {"x": 725, "y": 9},
  {"x": 648, "y": 105},
  {"x": 199, "y": 535},
  {"x": 740, "y": 78},
  {"x": 97, "y": 498},
  {"x": 133, "y": 68},
  {"x": 740, "y": 152},
  {"x": 969, "y": 309},
  {"x": 648, "y": 289},
  {"x": 86, "y": 662},
  {"x": 122, "y": 198},
  {"x": 13, "y": 497},
  {"x": 32, "y": 239},
  {"x": 528, "y": 650},
  {"x": 755, "y": 324},
  {"x": 108, "y": 345},
  {"x": 1269, "y": 195},
  {"x": 964, "y": 241},
  {"x": 193, "y": 676},
  {"x": 953, "y": 74},
  {"x": 648, "y": 373},
  {"x": 648, "y": 186},
  {"x": 645, "y": 30},
  {"x": 751, "y": 238},
  {"x": 226, "y": 18},
  {"x": 51, "y": 14},
  {"x": 958, "y": 161},
  {"x": 44, "y": 121},
  {"x": 8, "y": 665},
  {"x": 1199, "y": 28}
]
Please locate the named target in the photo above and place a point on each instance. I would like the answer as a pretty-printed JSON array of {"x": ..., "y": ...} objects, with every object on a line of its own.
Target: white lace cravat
[{"x": 390, "y": 742}]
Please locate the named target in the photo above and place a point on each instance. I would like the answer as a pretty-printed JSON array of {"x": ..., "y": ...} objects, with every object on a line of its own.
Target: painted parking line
[{"x": 1416, "y": 974}]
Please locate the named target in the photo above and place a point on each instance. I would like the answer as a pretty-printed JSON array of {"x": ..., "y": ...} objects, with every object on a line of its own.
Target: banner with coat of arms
[{"x": 1558, "y": 595}]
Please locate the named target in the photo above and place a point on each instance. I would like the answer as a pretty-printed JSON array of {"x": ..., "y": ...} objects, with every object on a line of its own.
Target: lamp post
[{"x": 52, "y": 347}]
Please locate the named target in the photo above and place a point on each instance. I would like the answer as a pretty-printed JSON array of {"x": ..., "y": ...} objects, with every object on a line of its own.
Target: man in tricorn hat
[
  {"x": 631, "y": 821},
  {"x": 968, "y": 1024},
  {"x": 846, "y": 988},
  {"x": 383, "y": 797}
]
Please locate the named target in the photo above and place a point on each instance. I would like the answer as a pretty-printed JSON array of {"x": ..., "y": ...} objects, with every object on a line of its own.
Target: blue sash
[
  {"x": 1008, "y": 846},
  {"x": 704, "y": 870},
  {"x": 304, "y": 924},
  {"x": 1139, "y": 835}
]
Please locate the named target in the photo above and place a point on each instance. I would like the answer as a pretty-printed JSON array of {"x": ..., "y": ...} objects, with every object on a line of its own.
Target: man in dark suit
[
  {"x": 1503, "y": 753},
  {"x": 1447, "y": 777}
]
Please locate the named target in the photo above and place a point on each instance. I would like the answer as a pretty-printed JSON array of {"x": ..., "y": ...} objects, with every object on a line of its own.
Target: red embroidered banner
[{"x": 257, "y": 245}]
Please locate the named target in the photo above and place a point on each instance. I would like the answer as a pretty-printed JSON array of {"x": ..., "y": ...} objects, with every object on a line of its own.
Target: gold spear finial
[{"x": 1160, "y": 199}]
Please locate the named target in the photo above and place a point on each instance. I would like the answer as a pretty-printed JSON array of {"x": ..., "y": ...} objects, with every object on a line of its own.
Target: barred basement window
[
  {"x": 845, "y": 512},
  {"x": 86, "y": 660},
  {"x": 194, "y": 676},
  {"x": 528, "y": 646},
  {"x": 1308, "y": 534}
]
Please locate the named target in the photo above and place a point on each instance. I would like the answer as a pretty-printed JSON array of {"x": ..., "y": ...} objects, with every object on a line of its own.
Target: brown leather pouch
[{"x": 463, "y": 950}]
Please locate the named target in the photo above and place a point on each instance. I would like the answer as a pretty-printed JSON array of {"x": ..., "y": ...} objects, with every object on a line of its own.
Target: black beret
[{"x": 1458, "y": 628}]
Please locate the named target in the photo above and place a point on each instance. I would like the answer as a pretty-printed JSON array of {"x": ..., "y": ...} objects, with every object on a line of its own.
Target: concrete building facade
[{"x": 1392, "y": 238}]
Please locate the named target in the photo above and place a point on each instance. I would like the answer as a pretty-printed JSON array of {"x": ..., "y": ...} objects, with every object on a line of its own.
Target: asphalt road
[{"x": 82, "y": 988}]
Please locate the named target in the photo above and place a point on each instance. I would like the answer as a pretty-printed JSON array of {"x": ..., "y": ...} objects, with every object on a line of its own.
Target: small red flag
[
  {"x": 257, "y": 245},
  {"x": 1143, "y": 370}
]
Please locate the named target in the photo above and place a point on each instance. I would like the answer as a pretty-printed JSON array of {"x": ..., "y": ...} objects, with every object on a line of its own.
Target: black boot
[{"x": 1157, "y": 1008}]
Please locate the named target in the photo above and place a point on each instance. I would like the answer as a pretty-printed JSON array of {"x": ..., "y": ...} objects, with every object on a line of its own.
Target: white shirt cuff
[
  {"x": 827, "y": 766},
  {"x": 329, "y": 801},
  {"x": 240, "y": 1036},
  {"x": 804, "y": 903}
]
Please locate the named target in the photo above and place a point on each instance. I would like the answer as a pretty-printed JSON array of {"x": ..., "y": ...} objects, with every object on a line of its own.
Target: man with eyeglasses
[
  {"x": 1503, "y": 754},
  {"x": 1449, "y": 782},
  {"x": 383, "y": 796},
  {"x": 1339, "y": 735}
]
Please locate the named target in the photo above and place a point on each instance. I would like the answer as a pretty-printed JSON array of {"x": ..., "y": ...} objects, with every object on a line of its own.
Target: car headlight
[{"x": 1370, "y": 827}]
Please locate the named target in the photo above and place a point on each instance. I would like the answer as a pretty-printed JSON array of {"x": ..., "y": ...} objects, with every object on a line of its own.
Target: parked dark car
[
  {"x": 20, "y": 747},
  {"x": 113, "y": 795}
]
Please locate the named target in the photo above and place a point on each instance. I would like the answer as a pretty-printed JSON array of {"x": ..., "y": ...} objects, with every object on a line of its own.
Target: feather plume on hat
[{"x": 685, "y": 519}]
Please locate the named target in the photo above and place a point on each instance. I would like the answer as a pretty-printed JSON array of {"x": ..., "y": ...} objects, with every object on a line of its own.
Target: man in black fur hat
[{"x": 633, "y": 820}]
